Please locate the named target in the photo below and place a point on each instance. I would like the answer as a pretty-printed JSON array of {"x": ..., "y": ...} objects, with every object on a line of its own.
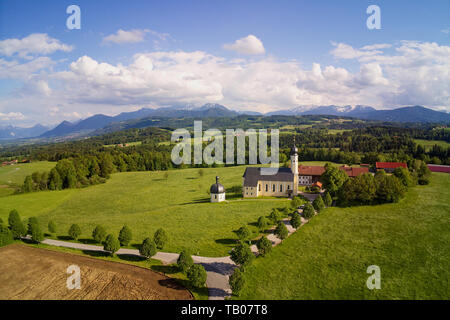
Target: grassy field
[
  {"x": 428, "y": 144},
  {"x": 15, "y": 175},
  {"x": 146, "y": 201},
  {"x": 328, "y": 257}
]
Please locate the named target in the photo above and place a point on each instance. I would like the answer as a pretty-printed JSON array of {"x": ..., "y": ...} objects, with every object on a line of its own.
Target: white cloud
[
  {"x": 122, "y": 36},
  {"x": 16, "y": 70},
  {"x": 413, "y": 73},
  {"x": 11, "y": 116},
  {"x": 249, "y": 45},
  {"x": 446, "y": 31},
  {"x": 34, "y": 44}
]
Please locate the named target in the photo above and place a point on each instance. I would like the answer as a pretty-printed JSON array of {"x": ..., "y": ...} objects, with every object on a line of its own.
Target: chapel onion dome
[{"x": 217, "y": 188}]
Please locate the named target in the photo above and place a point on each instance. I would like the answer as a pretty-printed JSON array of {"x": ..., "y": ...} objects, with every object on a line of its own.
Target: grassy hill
[
  {"x": 328, "y": 257},
  {"x": 146, "y": 201}
]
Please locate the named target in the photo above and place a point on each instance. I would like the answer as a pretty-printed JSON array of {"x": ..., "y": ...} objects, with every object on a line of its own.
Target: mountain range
[
  {"x": 99, "y": 121},
  {"x": 12, "y": 132}
]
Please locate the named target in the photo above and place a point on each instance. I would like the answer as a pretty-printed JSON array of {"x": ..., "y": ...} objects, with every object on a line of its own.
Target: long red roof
[
  {"x": 390, "y": 165},
  {"x": 353, "y": 171},
  {"x": 438, "y": 168}
]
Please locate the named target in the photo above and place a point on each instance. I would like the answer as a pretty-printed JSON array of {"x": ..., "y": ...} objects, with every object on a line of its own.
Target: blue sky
[{"x": 295, "y": 35}]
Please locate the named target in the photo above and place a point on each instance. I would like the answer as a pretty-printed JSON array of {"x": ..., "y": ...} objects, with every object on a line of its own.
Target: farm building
[{"x": 389, "y": 167}]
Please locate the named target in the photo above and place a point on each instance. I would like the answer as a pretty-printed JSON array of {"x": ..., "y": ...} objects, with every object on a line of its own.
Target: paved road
[{"x": 218, "y": 269}]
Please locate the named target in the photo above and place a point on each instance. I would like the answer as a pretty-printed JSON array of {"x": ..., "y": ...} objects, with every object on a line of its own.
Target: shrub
[
  {"x": 281, "y": 231},
  {"x": 125, "y": 236},
  {"x": 243, "y": 233},
  {"x": 308, "y": 211},
  {"x": 16, "y": 225},
  {"x": 147, "y": 248},
  {"x": 262, "y": 223},
  {"x": 31, "y": 221},
  {"x": 185, "y": 261},
  {"x": 112, "y": 244},
  {"x": 296, "y": 202},
  {"x": 318, "y": 204},
  {"x": 327, "y": 200},
  {"x": 264, "y": 246},
  {"x": 51, "y": 227},
  {"x": 236, "y": 281},
  {"x": 274, "y": 216},
  {"x": 197, "y": 275},
  {"x": 296, "y": 221},
  {"x": 99, "y": 234},
  {"x": 160, "y": 238},
  {"x": 36, "y": 233},
  {"x": 242, "y": 254},
  {"x": 74, "y": 231},
  {"x": 6, "y": 236}
]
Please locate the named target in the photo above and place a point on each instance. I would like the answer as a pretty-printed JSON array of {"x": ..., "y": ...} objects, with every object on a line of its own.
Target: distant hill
[
  {"x": 99, "y": 121},
  {"x": 12, "y": 132},
  {"x": 405, "y": 114}
]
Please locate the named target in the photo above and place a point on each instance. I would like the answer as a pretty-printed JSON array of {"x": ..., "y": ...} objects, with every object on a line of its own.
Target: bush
[
  {"x": 185, "y": 261},
  {"x": 236, "y": 281},
  {"x": 6, "y": 236},
  {"x": 242, "y": 254},
  {"x": 197, "y": 275},
  {"x": 112, "y": 244},
  {"x": 296, "y": 221},
  {"x": 147, "y": 248},
  {"x": 308, "y": 211},
  {"x": 262, "y": 223},
  {"x": 274, "y": 216},
  {"x": 99, "y": 234},
  {"x": 243, "y": 233},
  {"x": 264, "y": 246},
  {"x": 318, "y": 204},
  {"x": 16, "y": 225},
  {"x": 51, "y": 227},
  {"x": 327, "y": 200},
  {"x": 125, "y": 236},
  {"x": 296, "y": 202},
  {"x": 36, "y": 233},
  {"x": 74, "y": 231},
  {"x": 281, "y": 231},
  {"x": 31, "y": 221},
  {"x": 160, "y": 238}
]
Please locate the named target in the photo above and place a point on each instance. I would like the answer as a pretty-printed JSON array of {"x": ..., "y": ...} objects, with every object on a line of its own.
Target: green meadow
[
  {"x": 328, "y": 257},
  {"x": 146, "y": 201},
  {"x": 428, "y": 144},
  {"x": 15, "y": 174}
]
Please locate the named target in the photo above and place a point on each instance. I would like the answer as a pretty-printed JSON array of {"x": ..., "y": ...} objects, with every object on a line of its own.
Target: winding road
[{"x": 217, "y": 269}]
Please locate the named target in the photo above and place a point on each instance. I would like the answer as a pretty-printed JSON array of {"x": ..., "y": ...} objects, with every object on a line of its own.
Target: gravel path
[{"x": 217, "y": 269}]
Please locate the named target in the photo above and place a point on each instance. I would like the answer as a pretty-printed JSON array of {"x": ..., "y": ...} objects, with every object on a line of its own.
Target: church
[{"x": 284, "y": 183}]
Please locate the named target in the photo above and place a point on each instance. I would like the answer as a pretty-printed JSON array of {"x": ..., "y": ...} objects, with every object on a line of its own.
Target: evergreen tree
[
  {"x": 262, "y": 223},
  {"x": 327, "y": 200},
  {"x": 318, "y": 204},
  {"x": 308, "y": 211},
  {"x": 147, "y": 248},
  {"x": 125, "y": 236},
  {"x": 51, "y": 227},
  {"x": 243, "y": 233},
  {"x": 264, "y": 246},
  {"x": 99, "y": 234},
  {"x": 74, "y": 231},
  {"x": 242, "y": 254},
  {"x": 281, "y": 231},
  {"x": 160, "y": 238},
  {"x": 112, "y": 244},
  {"x": 236, "y": 281},
  {"x": 197, "y": 275},
  {"x": 184, "y": 261},
  {"x": 296, "y": 221},
  {"x": 16, "y": 225}
]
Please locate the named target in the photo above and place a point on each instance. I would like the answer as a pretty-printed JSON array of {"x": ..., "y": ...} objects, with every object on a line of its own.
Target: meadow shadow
[
  {"x": 165, "y": 269},
  {"x": 94, "y": 253},
  {"x": 226, "y": 241}
]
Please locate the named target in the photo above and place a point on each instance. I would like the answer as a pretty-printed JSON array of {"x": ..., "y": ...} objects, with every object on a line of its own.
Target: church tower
[{"x": 294, "y": 167}]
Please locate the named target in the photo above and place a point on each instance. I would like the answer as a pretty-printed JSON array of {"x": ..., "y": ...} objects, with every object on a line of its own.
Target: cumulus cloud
[
  {"x": 16, "y": 70},
  {"x": 412, "y": 73},
  {"x": 34, "y": 44},
  {"x": 249, "y": 45},
  {"x": 11, "y": 116},
  {"x": 122, "y": 36}
]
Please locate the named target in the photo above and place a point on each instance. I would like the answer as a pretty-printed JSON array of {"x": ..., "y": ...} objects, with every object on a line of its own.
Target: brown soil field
[{"x": 28, "y": 273}]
